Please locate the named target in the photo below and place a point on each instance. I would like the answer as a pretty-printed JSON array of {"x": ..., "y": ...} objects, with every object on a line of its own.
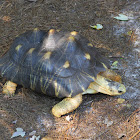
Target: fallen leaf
[
  {"x": 122, "y": 17},
  {"x": 114, "y": 65},
  {"x": 107, "y": 122},
  {"x": 121, "y": 135},
  {"x": 68, "y": 118},
  {"x": 6, "y": 18},
  {"x": 97, "y": 26},
  {"x": 32, "y": 133},
  {"x": 14, "y": 122},
  {"x": 19, "y": 132},
  {"x": 35, "y": 137}
]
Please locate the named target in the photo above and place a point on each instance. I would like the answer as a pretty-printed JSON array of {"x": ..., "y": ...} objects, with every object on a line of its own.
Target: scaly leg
[
  {"x": 90, "y": 91},
  {"x": 9, "y": 88},
  {"x": 67, "y": 105}
]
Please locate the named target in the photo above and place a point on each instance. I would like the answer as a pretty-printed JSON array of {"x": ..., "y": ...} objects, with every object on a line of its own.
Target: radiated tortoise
[{"x": 58, "y": 63}]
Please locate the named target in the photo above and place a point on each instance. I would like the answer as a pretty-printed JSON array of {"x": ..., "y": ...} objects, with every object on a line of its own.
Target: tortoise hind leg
[
  {"x": 67, "y": 105},
  {"x": 9, "y": 88}
]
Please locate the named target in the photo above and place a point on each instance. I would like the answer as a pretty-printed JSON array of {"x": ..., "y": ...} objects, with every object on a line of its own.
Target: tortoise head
[
  {"x": 113, "y": 88},
  {"x": 107, "y": 86}
]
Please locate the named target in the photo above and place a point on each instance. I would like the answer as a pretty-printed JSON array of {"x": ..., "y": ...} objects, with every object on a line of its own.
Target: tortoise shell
[{"x": 56, "y": 63}]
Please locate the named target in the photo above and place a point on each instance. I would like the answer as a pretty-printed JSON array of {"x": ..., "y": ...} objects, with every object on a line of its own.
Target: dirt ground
[{"x": 99, "y": 117}]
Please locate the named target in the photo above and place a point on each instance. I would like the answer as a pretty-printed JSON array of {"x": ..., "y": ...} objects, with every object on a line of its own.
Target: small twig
[
  {"x": 134, "y": 135},
  {"x": 18, "y": 115},
  {"x": 116, "y": 56},
  {"x": 131, "y": 38},
  {"x": 137, "y": 110}
]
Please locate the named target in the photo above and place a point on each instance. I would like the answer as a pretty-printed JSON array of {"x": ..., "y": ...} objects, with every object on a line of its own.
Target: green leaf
[
  {"x": 122, "y": 17},
  {"x": 114, "y": 65},
  {"x": 97, "y": 26}
]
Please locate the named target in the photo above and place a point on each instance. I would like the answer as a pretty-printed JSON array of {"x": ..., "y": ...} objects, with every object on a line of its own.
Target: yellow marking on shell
[
  {"x": 71, "y": 38},
  {"x": 83, "y": 88},
  {"x": 50, "y": 80},
  {"x": 87, "y": 56},
  {"x": 7, "y": 68},
  {"x": 18, "y": 47},
  {"x": 79, "y": 81},
  {"x": 44, "y": 85},
  {"x": 70, "y": 88},
  {"x": 41, "y": 84},
  {"x": 51, "y": 31},
  {"x": 31, "y": 50},
  {"x": 47, "y": 55},
  {"x": 33, "y": 80},
  {"x": 74, "y": 33},
  {"x": 88, "y": 75},
  {"x": 36, "y": 29},
  {"x": 66, "y": 65},
  {"x": 89, "y": 44},
  {"x": 56, "y": 88}
]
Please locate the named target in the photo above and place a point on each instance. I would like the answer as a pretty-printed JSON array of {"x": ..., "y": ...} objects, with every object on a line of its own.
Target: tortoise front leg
[
  {"x": 67, "y": 105},
  {"x": 9, "y": 88}
]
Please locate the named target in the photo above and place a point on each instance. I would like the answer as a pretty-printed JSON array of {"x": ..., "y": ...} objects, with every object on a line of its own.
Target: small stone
[{"x": 120, "y": 100}]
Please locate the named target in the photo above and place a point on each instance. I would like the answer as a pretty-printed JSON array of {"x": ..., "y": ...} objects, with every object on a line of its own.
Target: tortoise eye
[{"x": 120, "y": 91}]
